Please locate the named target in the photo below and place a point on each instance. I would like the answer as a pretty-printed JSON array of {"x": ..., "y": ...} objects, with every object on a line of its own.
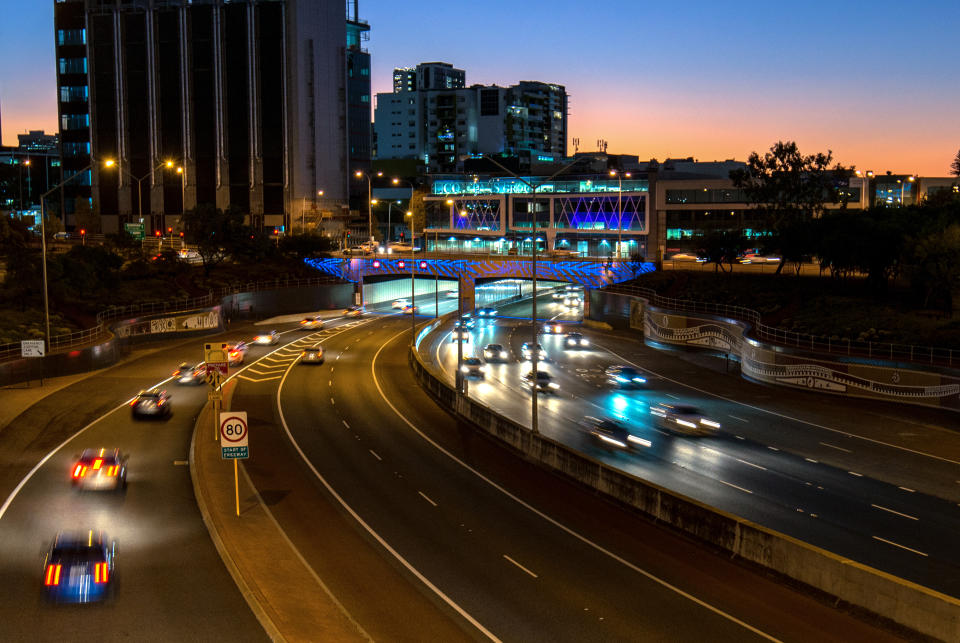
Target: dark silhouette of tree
[
  {"x": 790, "y": 188},
  {"x": 214, "y": 232},
  {"x": 955, "y": 166},
  {"x": 720, "y": 247}
]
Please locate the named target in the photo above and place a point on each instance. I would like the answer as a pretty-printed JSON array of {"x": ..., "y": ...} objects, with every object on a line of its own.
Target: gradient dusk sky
[{"x": 876, "y": 82}]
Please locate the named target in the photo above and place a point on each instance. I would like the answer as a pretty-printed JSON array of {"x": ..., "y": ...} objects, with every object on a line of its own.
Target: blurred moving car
[
  {"x": 683, "y": 418},
  {"x": 186, "y": 374},
  {"x": 526, "y": 351},
  {"x": 467, "y": 322},
  {"x": 552, "y": 328},
  {"x": 153, "y": 403},
  {"x": 312, "y": 355},
  {"x": 100, "y": 469},
  {"x": 558, "y": 295},
  {"x": 572, "y": 302},
  {"x": 575, "y": 340},
  {"x": 623, "y": 376},
  {"x": 311, "y": 323},
  {"x": 400, "y": 303},
  {"x": 354, "y": 311},
  {"x": 612, "y": 434},
  {"x": 267, "y": 339},
  {"x": 541, "y": 380},
  {"x": 410, "y": 309},
  {"x": 460, "y": 334},
  {"x": 79, "y": 568},
  {"x": 494, "y": 353},
  {"x": 236, "y": 352},
  {"x": 486, "y": 313},
  {"x": 472, "y": 367}
]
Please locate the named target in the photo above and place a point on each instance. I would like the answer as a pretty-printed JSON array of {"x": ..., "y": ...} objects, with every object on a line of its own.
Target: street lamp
[
  {"x": 27, "y": 163},
  {"x": 361, "y": 174},
  {"x": 909, "y": 179},
  {"x": 182, "y": 171},
  {"x": 619, "y": 176},
  {"x": 112, "y": 163},
  {"x": 413, "y": 284}
]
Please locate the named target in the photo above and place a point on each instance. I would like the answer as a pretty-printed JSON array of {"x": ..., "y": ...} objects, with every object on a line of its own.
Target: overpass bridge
[{"x": 468, "y": 268}]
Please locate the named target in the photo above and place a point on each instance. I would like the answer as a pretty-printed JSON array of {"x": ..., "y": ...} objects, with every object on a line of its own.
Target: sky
[{"x": 878, "y": 83}]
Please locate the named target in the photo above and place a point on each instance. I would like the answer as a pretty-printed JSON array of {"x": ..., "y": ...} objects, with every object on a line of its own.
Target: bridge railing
[{"x": 872, "y": 350}]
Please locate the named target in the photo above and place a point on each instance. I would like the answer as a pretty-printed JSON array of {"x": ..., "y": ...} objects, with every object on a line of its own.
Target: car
[
  {"x": 99, "y": 469},
  {"x": 623, "y": 376},
  {"x": 683, "y": 418},
  {"x": 410, "y": 309},
  {"x": 61, "y": 236},
  {"x": 486, "y": 313},
  {"x": 236, "y": 351},
  {"x": 467, "y": 322},
  {"x": 267, "y": 339},
  {"x": 312, "y": 355},
  {"x": 472, "y": 367},
  {"x": 552, "y": 328},
  {"x": 400, "y": 303},
  {"x": 575, "y": 340},
  {"x": 311, "y": 322},
  {"x": 541, "y": 380},
  {"x": 527, "y": 352},
  {"x": 399, "y": 248},
  {"x": 572, "y": 302},
  {"x": 460, "y": 334},
  {"x": 611, "y": 434},
  {"x": 154, "y": 403},
  {"x": 452, "y": 294},
  {"x": 187, "y": 374},
  {"x": 188, "y": 255},
  {"x": 494, "y": 353},
  {"x": 354, "y": 311},
  {"x": 558, "y": 295},
  {"x": 79, "y": 567},
  {"x": 358, "y": 251}
]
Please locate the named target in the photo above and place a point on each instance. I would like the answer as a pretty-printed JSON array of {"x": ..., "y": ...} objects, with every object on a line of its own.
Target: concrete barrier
[{"x": 882, "y": 595}]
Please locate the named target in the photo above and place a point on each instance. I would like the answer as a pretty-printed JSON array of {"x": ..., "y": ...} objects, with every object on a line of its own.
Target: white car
[
  {"x": 575, "y": 340},
  {"x": 400, "y": 303},
  {"x": 542, "y": 381},
  {"x": 311, "y": 323},
  {"x": 267, "y": 339},
  {"x": 460, "y": 334},
  {"x": 684, "y": 418},
  {"x": 473, "y": 367},
  {"x": 526, "y": 352},
  {"x": 312, "y": 355}
]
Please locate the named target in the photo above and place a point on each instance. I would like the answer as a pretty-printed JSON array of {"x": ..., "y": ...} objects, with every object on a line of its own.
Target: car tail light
[
  {"x": 53, "y": 575},
  {"x": 100, "y": 573},
  {"x": 176, "y": 372},
  {"x": 134, "y": 403},
  {"x": 80, "y": 471},
  {"x": 111, "y": 471}
]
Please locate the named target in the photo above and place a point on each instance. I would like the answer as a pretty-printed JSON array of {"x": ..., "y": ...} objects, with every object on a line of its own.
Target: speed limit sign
[{"x": 234, "y": 434}]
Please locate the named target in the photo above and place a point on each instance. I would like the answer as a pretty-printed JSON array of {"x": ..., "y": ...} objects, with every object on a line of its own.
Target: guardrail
[
  {"x": 67, "y": 341},
  {"x": 779, "y": 336}
]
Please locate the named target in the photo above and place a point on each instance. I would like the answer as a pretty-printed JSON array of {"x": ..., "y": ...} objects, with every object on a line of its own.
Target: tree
[
  {"x": 85, "y": 217},
  {"x": 933, "y": 266},
  {"x": 721, "y": 247},
  {"x": 955, "y": 166},
  {"x": 790, "y": 187},
  {"x": 213, "y": 231}
]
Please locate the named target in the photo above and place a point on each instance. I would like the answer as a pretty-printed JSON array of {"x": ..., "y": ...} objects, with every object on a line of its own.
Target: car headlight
[
  {"x": 638, "y": 440},
  {"x": 553, "y": 385},
  {"x": 685, "y": 423},
  {"x": 464, "y": 369},
  {"x": 710, "y": 423},
  {"x": 503, "y": 354}
]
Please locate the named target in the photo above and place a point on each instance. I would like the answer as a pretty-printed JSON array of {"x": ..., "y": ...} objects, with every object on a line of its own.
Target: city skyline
[{"x": 876, "y": 87}]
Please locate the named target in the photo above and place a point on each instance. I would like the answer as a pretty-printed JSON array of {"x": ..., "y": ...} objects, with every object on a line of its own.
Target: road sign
[
  {"x": 215, "y": 357},
  {"x": 135, "y": 230},
  {"x": 31, "y": 348},
  {"x": 214, "y": 395},
  {"x": 233, "y": 435}
]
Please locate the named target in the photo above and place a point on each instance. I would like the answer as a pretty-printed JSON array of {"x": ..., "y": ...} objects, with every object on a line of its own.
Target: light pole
[
  {"x": 182, "y": 171},
  {"x": 909, "y": 179},
  {"x": 27, "y": 163},
  {"x": 533, "y": 271},
  {"x": 619, "y": 208},
  {"x": 389, "y": 230},
  {"x": 413, "y": 283},
  {"x": 361, "y": 174},
  {"x": 112, "y": 163}
]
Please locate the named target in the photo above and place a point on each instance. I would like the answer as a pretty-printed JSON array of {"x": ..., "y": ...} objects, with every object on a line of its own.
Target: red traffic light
[
  {"x": 82, "y": 231},
  {"x": 181, "y": 234},
  {"x": 156, "y": 233}
]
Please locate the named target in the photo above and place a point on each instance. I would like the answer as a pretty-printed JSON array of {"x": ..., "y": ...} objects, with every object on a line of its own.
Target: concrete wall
[
  {"x": 783, "y": 366},
  {"x": 247, "y": 305},
  {"x": 906, "y": 604}
]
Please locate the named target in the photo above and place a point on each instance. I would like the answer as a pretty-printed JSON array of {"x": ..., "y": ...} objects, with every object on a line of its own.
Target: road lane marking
[
  {"x": 811, "y": 460},
  {"x": 894, "y": 512},
  {"x": 374, "y": 453},
  {"x": 854, "y": 473},
  {"x": 332, "y": 402},
  {"x": 890, "y": 542},
  {"x": 181, "y": 463},
  {"x": 907, "y": 489},
  {"x": 258, "y": 379},
  {"x": 737, "y": 418},
  {"x": 729, "y": 484},
  {"x": 345, "y": 424},
  {"x": 773, "y": 448},
  {"x": 425, "y": 497},
  {"x": 520, "y": 566},
  {"x": 833, "y": 446},
  {"x": 751, "y": 464}
]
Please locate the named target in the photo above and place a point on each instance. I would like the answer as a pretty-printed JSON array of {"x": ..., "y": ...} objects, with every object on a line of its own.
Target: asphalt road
[
  {"x": 765, "y": 466},
  {"x": 170, "y": 582}
]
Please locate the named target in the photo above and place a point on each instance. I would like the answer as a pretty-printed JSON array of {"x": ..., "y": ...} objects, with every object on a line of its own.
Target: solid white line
[
  {"x": 812, "y": 460},
  {"x": 425, "y": 497},
  {"x": 894, "y": 512},
  {"x": 332, "y": 401},
  {"x": 734, "y": 486},
  {"x": 890, "y": 542},
  {"x": 520, "y": 566},
  {"x": 751, "y": 464},
  {"x": 907, "y": 489},
  {"x": 383, "y": 543},
  {"x": 854, "y": 473},
  {"x": 785, "y": 416},
  {"x": 738, "y": 418},
  {"x": 562, "y": 527},
  {"x": 836, "y": 447},
  {"x": 345, "y": 424},
  {"x": 773, "y": 448},
  {"x": 374, "y": 453}
]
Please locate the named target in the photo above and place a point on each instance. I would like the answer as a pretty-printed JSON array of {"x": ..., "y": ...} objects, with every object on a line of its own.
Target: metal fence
[
  {"x": 779, "y": 336},
  {"x": 67, "y": 341}
]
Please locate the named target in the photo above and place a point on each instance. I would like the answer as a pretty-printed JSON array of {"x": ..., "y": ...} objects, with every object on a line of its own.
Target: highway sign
[
  {"x": 234, "y": 435},
  {"x": 31, "y": 348},
  {"x": 135, "y": 230},
  {"x": 215, "y": 357}
]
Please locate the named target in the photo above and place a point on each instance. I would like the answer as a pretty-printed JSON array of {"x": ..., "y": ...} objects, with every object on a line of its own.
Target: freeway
[
  {"x": 436, "y": 533},
  {"x": 766, "y": 464}
]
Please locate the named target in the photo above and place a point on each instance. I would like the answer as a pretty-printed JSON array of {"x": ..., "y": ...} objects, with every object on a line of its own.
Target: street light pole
[
  {"x": 619, "y": 209},
  {"x": 362, "y": 174},
  {"x": 413, "y": 283}
]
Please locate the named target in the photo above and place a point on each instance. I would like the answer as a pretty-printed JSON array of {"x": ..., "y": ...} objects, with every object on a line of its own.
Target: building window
[
  {"x": 364, "y": 71},
  {"x": 76, "y": 149},
  {"x": 365, "y": 98},
  {"x": 73, "y": 94},
  {"x": 71, "y": 37},
  {"x": 74, "y": 121},
  {"x": 73, "y": 65}
]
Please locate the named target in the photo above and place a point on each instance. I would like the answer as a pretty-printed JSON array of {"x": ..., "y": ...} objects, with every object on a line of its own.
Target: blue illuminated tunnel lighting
[{"x": 604, "y": 242}]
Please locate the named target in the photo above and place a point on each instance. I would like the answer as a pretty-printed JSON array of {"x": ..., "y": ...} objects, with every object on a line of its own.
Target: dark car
[
  {"x": 486, "y": 313},
  {"x": 552, "y": 328},
  {"x": 625, "y": 376},
  {"x": 541, "y": 380},
  {"x": 187, "y": 374},
  {"x": 526, "y": 351},
  {"x": 99, "y": 470},
  {"x": 154, "y": 403},
  {"x": 495, "y": 353},
  {"x": 79, "y": 568},
  {"x": 684, "y": 418},
  {"x": 611, "y": 434},
  {"x": 575, "y": 341},
  {"x": 472, "y": 367}
]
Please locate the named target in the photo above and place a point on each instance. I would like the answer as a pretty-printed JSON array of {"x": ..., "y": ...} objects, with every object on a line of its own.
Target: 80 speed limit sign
[{"x": 234, "y": 434}]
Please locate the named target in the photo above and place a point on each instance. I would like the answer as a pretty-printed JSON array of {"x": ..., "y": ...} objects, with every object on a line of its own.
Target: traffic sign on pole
[
  {"x": 234, "y": 434},
  {"x": 31, "y": 348},
  {"x": 215, "y": 357}
]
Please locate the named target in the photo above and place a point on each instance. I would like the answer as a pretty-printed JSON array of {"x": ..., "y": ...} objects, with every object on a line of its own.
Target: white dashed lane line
[
  {"x": 897, "y": 513},
  {"x": 738, "y": 418},
  {"x": 427, "y": 498},
  {"x": 832, "y": 446},
  {"x": 345, "y": 424},
  {"x": 734, "y": 486},
  {"x": 520, "y": 566},
  {"x": 890, "y": 542},
  {"x": 374, "y": 454}
]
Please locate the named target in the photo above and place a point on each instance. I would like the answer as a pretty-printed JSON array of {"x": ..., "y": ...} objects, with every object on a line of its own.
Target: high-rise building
[
  {"x": 359, "y": 112},
  {"x": 244, "y": 98},
  {"x": 441, "y": 125}
]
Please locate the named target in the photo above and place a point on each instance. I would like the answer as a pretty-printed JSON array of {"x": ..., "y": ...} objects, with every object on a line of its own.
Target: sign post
[{"x": 234, "y": 435}]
